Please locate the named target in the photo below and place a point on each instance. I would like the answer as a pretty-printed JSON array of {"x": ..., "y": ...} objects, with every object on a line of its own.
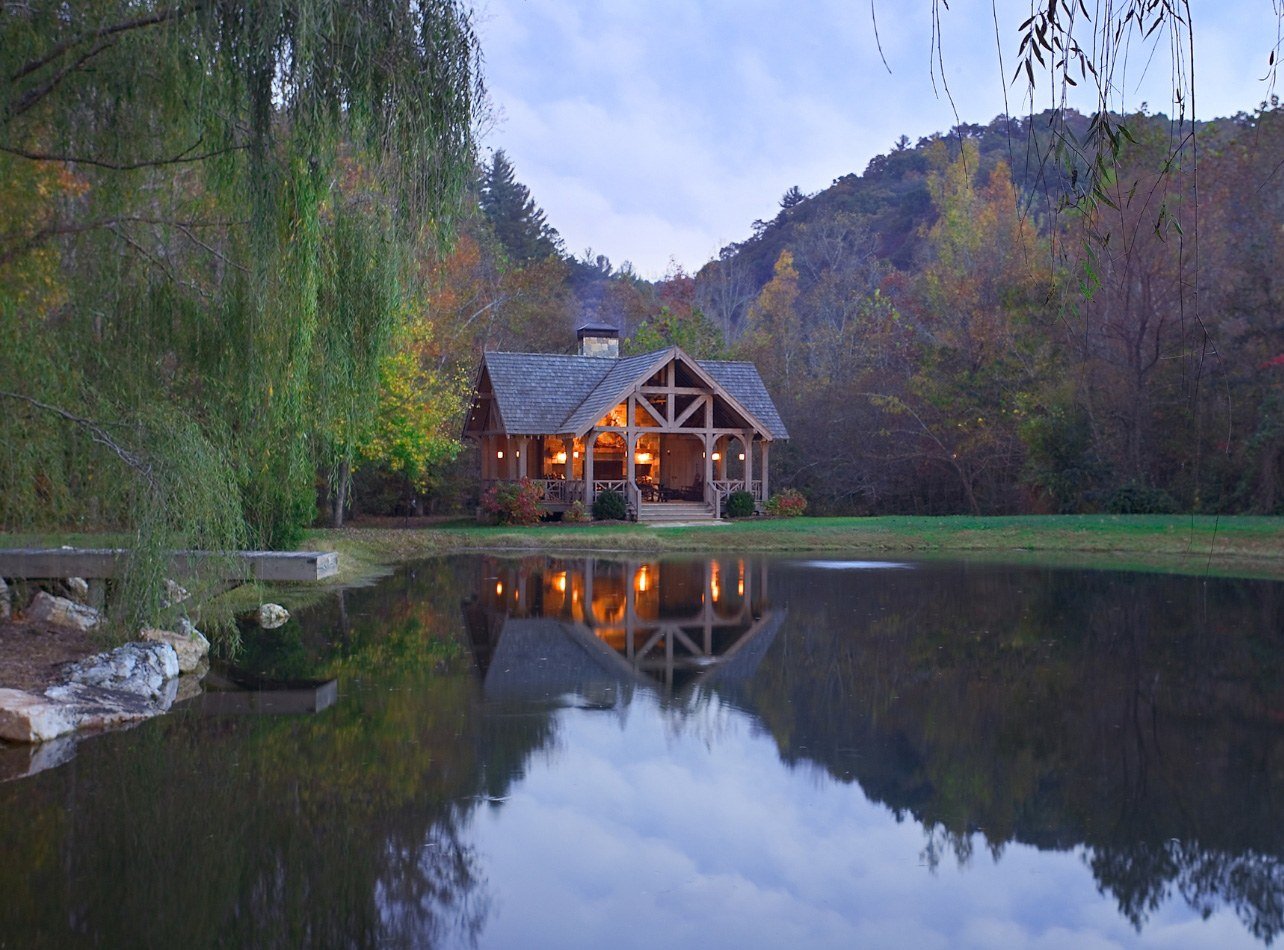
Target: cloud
[{"x": 640, "y": 834}]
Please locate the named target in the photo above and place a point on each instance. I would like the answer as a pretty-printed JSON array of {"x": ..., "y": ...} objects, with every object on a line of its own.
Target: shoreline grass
[{"x": 1229, "y": 546}]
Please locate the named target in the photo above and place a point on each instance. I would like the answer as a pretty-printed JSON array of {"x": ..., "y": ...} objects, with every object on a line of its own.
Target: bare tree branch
[
  {"x": 124, "y": 26},
  {"x": 180, "y": 158},
  {"x": 96, "y": 434}
]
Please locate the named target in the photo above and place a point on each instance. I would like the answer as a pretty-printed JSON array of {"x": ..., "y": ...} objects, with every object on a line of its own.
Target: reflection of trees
[
  {"x": 1130, "y": 715},
  {"x": 344, "y": 829}
]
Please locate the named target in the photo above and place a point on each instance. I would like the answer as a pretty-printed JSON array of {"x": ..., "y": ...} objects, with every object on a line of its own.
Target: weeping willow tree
[{"x": 204, "y": 208}]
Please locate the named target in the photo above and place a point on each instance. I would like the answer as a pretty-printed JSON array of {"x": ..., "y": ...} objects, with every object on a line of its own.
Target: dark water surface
[{"x": 708, "y": 753}]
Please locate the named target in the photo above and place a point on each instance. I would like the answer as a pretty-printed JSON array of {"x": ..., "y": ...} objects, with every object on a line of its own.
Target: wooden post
[
  {"x": 708, "y": 461},
  {"x": 766, "y": 493},
  {"x": 590, "y": 440},
  {"x": 523, "y": 456},
  {"x": 746, "y": 440}
]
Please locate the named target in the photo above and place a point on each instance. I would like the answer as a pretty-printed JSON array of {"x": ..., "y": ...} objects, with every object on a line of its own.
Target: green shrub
[
  {"x": 513, "y": 502},
  {"x": 610, "y": 506},
  {"x": 739, "y": 504},
  {"x": 789, "y": 503},
  {"x": 1134, "y": 499},
  {"x": 576, "y": 513}
]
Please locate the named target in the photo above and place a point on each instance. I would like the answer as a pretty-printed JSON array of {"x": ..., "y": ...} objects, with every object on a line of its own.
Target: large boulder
[
  {"x": 133, "y": 682},
  {"x": 26, "y": 717},
  {"x": 190, "y": 645},
  {"x": 136, "y": 669},
  {"x": 6, "y": 600},
  {"x": 45, "y": 608}
]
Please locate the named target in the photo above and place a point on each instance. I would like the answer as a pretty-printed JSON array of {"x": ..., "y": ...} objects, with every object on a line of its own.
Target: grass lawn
[{"x": 1217, "y": 545}]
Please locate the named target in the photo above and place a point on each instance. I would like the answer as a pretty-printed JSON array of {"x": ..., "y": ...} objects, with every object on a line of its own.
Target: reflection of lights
[
  {"x": 715, "y": 581},
  {"x": 740, "y": 587},
  {"x": 559, "y": 582},
  {"x": 642, "y": 582},
  {"x": 499, "y": 588},
  {"x": 740, "y": 582},
  {"x": 561, "y": 458}
]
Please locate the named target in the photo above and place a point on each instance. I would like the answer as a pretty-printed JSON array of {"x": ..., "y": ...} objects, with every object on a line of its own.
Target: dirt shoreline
[{"x": 32, "y": 656}]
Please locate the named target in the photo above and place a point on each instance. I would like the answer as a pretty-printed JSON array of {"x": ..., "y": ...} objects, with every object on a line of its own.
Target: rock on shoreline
[{"x": 130, "y": 683}]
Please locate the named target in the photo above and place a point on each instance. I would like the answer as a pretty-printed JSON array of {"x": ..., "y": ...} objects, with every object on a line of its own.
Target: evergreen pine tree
[{"x": 518, "y": 222}]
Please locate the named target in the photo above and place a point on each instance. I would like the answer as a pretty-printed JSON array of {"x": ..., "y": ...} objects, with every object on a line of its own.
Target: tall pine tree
[{"x": 518, "y": 222}]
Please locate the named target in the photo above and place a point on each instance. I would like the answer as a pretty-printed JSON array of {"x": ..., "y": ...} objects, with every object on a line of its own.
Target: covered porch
[{"x": 651, "y": 467}]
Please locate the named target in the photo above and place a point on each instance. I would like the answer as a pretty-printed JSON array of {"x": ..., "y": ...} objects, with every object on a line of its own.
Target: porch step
[{"x": 661, "y": 512}]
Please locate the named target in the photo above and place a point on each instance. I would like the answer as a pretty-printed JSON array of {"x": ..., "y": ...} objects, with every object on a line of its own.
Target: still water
[{"x": 728, "y": 752}]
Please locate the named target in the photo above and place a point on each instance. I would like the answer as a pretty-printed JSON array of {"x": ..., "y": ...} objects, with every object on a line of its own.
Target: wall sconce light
[
  {"x": 742, "y": 456},
  {"x": 576, "y": 453},
  {"x": 499, "y": 454},
  {"x": 717, "y": 456}
]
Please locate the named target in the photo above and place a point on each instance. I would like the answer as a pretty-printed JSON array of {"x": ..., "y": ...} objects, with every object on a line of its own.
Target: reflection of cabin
[
  {"x": 658, "y": 428},
  {"x": 562, "y": 625}
]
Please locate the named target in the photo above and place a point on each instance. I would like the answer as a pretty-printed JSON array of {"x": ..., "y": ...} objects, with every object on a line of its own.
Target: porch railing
[{"x": 561, "y": 490}]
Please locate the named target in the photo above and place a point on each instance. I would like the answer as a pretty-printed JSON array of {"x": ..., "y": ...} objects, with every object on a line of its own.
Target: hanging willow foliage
[{"x": 203, "y": 207}]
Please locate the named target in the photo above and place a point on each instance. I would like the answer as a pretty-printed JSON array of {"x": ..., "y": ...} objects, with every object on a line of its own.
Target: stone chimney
[{"x": 599, "y": 339}]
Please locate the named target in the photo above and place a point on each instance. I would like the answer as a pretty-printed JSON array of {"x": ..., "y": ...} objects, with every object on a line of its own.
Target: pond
[{"x": 712, "y": 752}]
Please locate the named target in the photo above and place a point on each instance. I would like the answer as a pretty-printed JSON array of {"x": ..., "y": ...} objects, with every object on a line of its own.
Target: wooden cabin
[{"x": 673, "y": 434}]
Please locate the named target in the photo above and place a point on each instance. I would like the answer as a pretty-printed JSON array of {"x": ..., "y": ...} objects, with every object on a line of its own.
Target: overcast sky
[{"x": 660, "y": 130}]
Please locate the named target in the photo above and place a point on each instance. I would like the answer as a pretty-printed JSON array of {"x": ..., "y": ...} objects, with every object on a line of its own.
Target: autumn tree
[{"x": 215, "y": 269}]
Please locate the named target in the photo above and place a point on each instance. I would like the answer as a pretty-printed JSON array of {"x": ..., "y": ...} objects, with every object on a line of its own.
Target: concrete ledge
[{"x": 110, "y": 562}]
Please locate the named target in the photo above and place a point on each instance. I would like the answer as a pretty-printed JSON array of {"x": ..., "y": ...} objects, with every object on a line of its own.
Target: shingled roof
[{"x": 549, "y": 393}]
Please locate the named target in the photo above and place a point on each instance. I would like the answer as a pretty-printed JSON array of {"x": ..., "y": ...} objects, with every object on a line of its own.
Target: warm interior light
[
  {"x": 561, "y": 458},
  {"x": 643, "y": 458},
  {"x": 576, "y": 453}
]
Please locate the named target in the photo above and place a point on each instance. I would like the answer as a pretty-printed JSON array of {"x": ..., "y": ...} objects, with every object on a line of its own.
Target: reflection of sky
[{"x": 639, "y": 833}]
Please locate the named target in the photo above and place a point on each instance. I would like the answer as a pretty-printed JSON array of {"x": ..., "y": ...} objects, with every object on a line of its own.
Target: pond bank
[{"x": 1238, "y": 546}]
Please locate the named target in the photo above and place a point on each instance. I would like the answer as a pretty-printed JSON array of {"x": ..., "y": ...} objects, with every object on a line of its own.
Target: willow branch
[
  {"x": 124, "y": 26},
  {"x": 96, "y": 434}
]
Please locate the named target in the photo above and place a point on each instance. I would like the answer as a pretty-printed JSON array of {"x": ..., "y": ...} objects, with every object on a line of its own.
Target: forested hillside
[{"x": 960, "y": 329}]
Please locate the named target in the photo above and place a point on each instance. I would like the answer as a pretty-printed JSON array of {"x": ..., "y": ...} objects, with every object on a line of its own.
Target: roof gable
[{"x": 553, "y": 393}]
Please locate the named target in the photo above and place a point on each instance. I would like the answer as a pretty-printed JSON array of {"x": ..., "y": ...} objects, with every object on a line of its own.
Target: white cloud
[{"x": 641, "y": 835}]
